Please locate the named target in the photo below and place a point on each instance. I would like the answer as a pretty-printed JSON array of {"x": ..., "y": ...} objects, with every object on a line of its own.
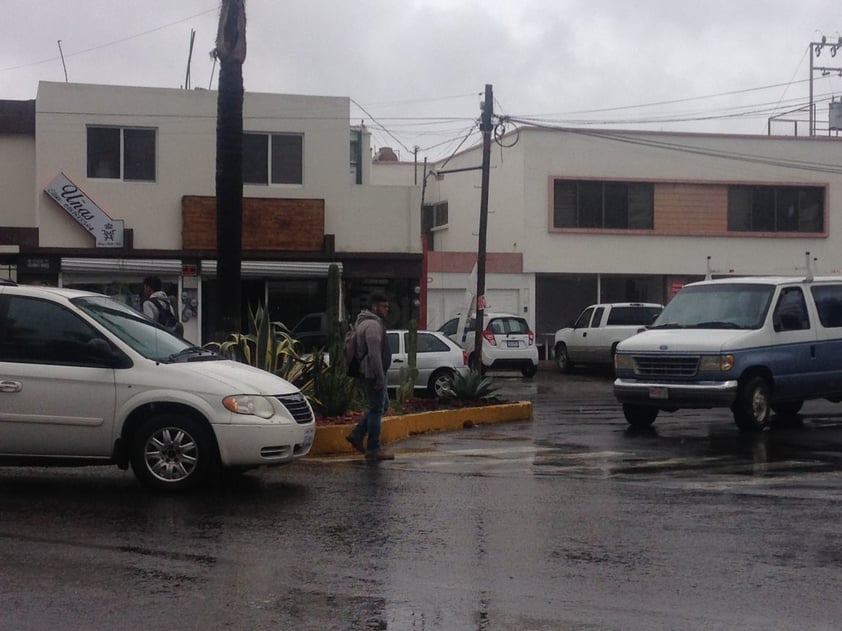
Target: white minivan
[
  {"x": 85, "y": 379},
  {"x": 755, "y": 345}
]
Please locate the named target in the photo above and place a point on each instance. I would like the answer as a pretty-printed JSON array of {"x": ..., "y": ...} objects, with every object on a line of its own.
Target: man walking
[
  {"x": 375, "y": 356},
  {"x": 156, "y": 304}
]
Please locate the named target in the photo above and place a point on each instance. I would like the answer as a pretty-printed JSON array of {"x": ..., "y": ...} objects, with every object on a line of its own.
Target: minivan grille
[
  {"x": 297, "y": 406},
  {"x": 666, "y": 366}
]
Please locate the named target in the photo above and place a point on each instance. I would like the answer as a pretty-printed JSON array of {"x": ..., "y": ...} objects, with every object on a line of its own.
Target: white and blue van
[{"x": 756, "y": 345}]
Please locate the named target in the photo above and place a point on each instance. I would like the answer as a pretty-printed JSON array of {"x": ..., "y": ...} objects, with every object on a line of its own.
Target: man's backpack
[
  {"x": 166, "y": 317},
  {"x": 351, "y": 360}
]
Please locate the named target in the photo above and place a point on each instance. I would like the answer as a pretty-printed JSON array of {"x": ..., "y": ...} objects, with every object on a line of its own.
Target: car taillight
[
  {"x": 531, "y": 338},
  {"x": 489, "y": 337},
  {"x": 464, "y": 357}
]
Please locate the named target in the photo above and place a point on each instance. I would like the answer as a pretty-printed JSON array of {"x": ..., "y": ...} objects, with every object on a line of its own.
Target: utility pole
[
  {"x": 485, "y": 127},
  {"x": 816, "y": 51}
]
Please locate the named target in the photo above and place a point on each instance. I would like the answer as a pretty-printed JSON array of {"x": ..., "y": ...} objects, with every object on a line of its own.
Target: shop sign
[{"x": 107, "y": 232}]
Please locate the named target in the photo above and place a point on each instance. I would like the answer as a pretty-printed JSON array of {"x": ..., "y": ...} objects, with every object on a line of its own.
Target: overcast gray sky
[{"x": 416, "y": 69}]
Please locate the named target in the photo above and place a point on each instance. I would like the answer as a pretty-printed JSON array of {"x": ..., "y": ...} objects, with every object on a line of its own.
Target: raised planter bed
[{"x": 330, "y": 439}]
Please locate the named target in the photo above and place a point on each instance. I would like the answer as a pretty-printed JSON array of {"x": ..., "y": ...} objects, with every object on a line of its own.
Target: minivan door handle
[{"x": 11, "y": 386}]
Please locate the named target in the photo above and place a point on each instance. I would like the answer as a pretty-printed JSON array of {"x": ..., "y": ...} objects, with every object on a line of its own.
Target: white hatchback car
[
  {"x": 507, "y": 342},
  {"x": 85, "y": 379},
  {"x": 437, "y": 359}
]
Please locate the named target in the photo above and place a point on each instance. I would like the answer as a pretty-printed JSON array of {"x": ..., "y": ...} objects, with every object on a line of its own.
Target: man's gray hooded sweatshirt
[{"x": 371, "y": 337}]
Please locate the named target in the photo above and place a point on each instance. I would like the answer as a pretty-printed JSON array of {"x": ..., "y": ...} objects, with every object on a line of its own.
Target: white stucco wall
[
  {"x": 186, "y": 145},
  {"x": 519, "y": 201},
  {"x": 17, "y": 180}
]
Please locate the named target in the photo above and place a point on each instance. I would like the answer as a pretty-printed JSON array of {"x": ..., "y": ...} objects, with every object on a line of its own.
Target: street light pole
[{"x": 485, "y": 128}]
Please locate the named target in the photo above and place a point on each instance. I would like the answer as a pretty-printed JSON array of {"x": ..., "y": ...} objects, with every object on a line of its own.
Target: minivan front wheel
[
  {"x": 752, "y": 407},
  {"x": 172, "y": 453}
]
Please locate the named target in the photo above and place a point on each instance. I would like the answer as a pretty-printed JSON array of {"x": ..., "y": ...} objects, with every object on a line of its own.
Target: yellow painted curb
[{"x": 330, "y": 439}]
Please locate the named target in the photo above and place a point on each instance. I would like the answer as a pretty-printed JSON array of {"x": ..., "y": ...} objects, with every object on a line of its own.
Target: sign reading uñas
[{"x": 107, "y": 232}]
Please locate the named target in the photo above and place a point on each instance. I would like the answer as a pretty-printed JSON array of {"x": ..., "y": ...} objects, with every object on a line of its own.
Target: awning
[
  {"x": 144, "y": 267},
  {"x": 275, "y": 269}
]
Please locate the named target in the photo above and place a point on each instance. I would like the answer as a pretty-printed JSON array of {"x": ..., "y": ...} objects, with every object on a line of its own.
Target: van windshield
[
  {"x": 135, "y": 329},
  {"x": 731, "y": 306}
]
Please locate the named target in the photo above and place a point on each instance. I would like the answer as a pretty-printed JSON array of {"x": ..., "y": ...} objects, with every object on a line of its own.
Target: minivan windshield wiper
[{"x": 193, "y": 354}]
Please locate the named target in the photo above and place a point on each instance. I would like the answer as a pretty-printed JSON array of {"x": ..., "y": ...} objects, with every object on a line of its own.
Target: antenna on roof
[
  {"x": 189, "y": 59},
  {"x": 62, "y": 61},
  {"x": 809, "y": 267},
  {"x": 708, "y": 270}
]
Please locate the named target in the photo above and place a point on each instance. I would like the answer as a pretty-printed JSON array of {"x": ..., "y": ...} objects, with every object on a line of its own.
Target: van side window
[
  {"x": 35, "y": 331},
  {"x": 791, "y": 311},
  {"x": 828, "y": 300}
]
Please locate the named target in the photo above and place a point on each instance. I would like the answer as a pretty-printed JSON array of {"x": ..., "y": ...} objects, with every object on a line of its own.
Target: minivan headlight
[
  {"x": 249, "y": 404},
  {"x": 722, "y": 363}
]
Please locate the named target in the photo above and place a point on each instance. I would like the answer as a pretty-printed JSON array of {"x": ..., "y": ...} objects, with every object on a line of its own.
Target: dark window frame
[
  {"x": 603, "y": 204},
  {"x": 776, "y": 208},
  {"x": 128, "y": 154},
  {"x": 273, "y": 158}
]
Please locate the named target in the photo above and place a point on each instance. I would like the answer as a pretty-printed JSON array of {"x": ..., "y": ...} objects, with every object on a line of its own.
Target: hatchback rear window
[{"x": 505, "y": 326}]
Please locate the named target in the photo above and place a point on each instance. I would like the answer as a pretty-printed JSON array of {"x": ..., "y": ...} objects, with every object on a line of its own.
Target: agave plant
[
  {"x": 472, "y": 386},
  {"x": 268, "y": 346}
]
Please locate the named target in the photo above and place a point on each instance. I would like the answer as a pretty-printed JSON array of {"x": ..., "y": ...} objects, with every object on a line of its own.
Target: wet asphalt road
[{"x": 570, "y": 521}]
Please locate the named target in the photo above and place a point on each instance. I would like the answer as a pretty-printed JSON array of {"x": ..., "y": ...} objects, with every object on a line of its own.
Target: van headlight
[
  {"x": 722, "y": 363},
  {"x": 249, "y": 404},
  {"x": 623, "y": 362}
]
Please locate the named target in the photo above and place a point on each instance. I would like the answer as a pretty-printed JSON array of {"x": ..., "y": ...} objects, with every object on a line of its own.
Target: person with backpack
[
  {"x": 157, "y": 306},
  {"x": 374, "y": 355}
]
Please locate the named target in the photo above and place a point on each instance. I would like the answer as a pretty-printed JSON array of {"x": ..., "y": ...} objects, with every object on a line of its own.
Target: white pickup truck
[{"x": 597, "y": 331}]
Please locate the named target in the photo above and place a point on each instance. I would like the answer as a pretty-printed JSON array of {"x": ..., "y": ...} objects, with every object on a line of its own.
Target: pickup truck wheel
[
  {"x": 170, "y": 452},
  {"x": 639, "y": 415},
  {"x": 751, "y": 409},
  {"x": 562, "y": 359}
]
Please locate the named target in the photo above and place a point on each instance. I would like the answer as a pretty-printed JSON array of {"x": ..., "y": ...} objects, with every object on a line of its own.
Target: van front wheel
[
  {"x": 752, "y": 408},
  {"x": 639, "y": 415}
]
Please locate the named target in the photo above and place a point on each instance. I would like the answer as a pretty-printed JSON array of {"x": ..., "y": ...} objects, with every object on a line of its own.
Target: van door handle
[{"x": 11, "y": 386}]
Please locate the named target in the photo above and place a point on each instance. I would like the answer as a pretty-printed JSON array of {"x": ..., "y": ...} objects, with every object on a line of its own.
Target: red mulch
[{"x": 411, "y": 406}]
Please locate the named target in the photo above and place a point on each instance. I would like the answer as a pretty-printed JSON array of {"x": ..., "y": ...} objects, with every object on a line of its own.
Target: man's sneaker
[
  {"x": 356, "y": 443},
  {"x": 379, "y": 454}
]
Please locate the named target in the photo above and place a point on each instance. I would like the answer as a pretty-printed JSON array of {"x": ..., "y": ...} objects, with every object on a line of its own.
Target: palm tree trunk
[{"x": 230, "y": 50}]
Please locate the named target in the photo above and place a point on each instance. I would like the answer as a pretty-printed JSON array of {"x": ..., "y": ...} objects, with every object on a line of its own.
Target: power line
[{"x": 111, "y": 43}]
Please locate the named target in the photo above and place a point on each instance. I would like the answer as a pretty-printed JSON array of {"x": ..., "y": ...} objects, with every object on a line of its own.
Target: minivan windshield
[
  {"x": 136, "y": 330},
  {"x": 718, "y": 306}
]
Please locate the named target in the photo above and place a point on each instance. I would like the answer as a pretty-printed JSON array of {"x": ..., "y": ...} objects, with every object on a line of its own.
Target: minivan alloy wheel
[{"x": 172, "y": 453}]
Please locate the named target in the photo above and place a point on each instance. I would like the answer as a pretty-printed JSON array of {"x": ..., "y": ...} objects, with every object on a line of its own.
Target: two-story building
[
  {"x": 583, "y": 216},
  {"x": 104, "y": 185}
]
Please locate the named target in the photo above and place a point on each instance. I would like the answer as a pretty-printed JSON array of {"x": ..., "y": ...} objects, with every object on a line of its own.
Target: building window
[
  {"x": 356, "y": 157},
  {"x": 434, "y": 216},
  {"x": 603, "y": 205},
  {"x": 121, "y": 153},
  {"x": 273, "y": 158},
  {"x": 775, "y": 209}
]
